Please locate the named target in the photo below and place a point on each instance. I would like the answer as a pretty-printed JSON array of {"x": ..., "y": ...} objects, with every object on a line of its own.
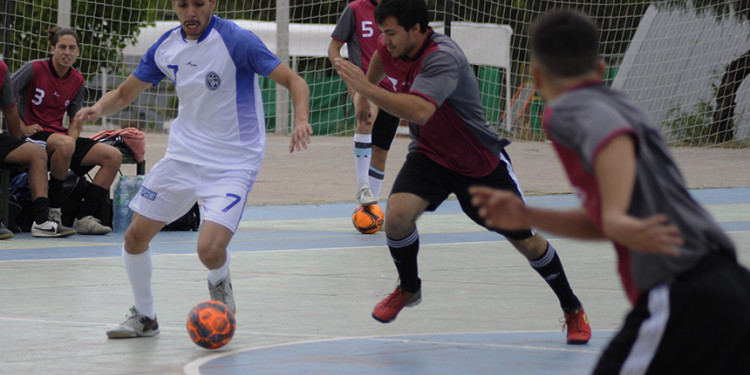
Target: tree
[
  {"x": 617, "y": 22},
  {"x": 722, "y": 129},
  {"x": 104, "y": 28}
]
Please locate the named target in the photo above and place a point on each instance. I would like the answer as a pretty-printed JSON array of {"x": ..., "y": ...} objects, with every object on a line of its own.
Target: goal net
[{"x": 686, "y": 65}]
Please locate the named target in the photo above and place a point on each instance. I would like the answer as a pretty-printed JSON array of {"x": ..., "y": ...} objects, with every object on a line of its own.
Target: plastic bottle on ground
[{"x": 120, "y": 202}]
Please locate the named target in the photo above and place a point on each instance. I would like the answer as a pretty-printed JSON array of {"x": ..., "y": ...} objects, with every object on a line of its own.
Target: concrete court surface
[{"x": 305, "y": 284}]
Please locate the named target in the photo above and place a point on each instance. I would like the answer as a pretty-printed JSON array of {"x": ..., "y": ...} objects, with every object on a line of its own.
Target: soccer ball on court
[
  {"x": 368, "y": 219},
  {"x": 211, "y": 324}
]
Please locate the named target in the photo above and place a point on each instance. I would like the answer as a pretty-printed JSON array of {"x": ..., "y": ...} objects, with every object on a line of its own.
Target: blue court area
[
  {"x": 305, "y": 283},
  {"x": 468, "y": 353},
  {"x": 327, "y": 225}
]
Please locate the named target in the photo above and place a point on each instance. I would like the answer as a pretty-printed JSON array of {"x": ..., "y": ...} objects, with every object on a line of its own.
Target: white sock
[
  {"x": 219, "y": 274},
  {"x": 376, "y": 181},
  {"x": 362, "y": 153},
  {"x": 139, "y": 269}
]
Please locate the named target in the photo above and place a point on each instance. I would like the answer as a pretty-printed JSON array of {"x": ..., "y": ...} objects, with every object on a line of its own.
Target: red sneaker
[
  {"x": 388, "y": 309},
  {"x": 579, "y": 330}
]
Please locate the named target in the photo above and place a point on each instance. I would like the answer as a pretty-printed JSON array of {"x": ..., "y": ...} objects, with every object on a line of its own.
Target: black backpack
[
  {"x": 20, "y": 212},
  {"x": 188, "y": 222}
]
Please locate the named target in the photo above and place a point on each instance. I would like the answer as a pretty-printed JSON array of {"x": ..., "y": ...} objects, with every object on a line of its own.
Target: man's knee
[
  {"x": 532, "y": 247},
  {"x": 61, "y": 145},
  {"x": 136, "y": 242},
  {"x": 111, "y": 157},
  {"x": 398, "y": 223},
  {"x": 212, "y": 254}
]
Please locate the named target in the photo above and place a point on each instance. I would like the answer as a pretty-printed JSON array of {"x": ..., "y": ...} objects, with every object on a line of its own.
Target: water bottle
[
  {"x": 120, "y": 220},
  {"x": 137, "y": 184},
  {"x": 134, "y": 185}
]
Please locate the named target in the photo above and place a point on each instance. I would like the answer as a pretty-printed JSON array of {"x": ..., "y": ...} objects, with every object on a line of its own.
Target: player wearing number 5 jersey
[
  {"x": 215, "y": 148},
  {"x": 358, "y": 30}
]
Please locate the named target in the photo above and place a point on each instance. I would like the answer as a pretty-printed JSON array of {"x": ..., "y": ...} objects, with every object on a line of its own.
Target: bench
[
  {"x": 4, "y": 195},
  {"x": 140, "y": 166},
  {"x": 140, "y": 169}
]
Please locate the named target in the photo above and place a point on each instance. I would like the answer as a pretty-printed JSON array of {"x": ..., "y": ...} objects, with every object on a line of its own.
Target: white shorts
[{"x": 172, "y": 187}]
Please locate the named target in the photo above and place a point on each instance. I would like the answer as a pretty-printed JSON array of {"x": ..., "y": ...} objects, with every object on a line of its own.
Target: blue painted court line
[
  {"x": 263, "y": 228},
  {"x": 458, "y": 353},
  {"x": 335, "y": 210}
]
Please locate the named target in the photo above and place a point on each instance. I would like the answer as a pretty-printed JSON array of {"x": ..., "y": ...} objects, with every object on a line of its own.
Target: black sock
[
  {"x": 404, "y": 253},
  {"x": 40, "y": 206},
  {"x": 550, "y": 268},
  {"x": 92, "y": 201},
  {"x": 55, "y": 192}
]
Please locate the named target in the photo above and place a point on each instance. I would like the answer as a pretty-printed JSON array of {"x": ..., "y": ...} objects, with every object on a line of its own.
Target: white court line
[{"x": 193, "y": 367}]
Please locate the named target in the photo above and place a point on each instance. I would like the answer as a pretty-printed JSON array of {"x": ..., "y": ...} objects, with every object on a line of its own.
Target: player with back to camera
[
  {"x": 357, "y": 29},
  {"x": 15, "y": 151},
  {"x": 46, "y": 90},
  {"x": 691, "y": 299},
  {"x": 453, "y": 147},
  {"x": 215, "y": 147}
]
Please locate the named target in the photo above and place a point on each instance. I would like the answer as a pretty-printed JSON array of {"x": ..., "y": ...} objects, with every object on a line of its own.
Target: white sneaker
[
  {"x": 55, "y": 214},
  {"x": 51, "y": 228},
  {"x": 136, "y": 325},
  {"x": 365, "y": 196},
  {"x": 90, "y": 225},
  {"x": 222, "y": 292}
]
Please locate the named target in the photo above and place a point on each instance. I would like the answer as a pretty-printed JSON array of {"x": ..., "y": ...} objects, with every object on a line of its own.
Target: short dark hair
[
  {"x": 565, "y": 43},
  {"x": 407, "y": 12},
  {"x": 54, "y": 34}
]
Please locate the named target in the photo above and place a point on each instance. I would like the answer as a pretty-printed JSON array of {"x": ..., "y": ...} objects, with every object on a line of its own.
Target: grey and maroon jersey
[
  {"x": 457, "y": 136},
  {"x": 579, "y": 123},
  {"x": 44, "y": 97},
  {"x": 7, "y": 96},
  {"x": 358, "y": 30}
]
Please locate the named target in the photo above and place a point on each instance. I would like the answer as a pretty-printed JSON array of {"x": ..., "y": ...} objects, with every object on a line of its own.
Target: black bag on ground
[
  {"x": 74, "y": 188},
  {"x": 20, "y": 202},
  {"x": 14, "y": 210},
  {"x": 188, "y": 222}
]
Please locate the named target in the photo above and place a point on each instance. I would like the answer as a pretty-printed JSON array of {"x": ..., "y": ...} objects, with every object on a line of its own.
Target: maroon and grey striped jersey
[
  {"x": 44, "y": 97},
  {"x": 579, "y": 123},
  {"x": 457, "y": 136}
]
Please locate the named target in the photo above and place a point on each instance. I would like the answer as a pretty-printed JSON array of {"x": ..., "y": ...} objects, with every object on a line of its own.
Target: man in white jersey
[{"x": 215, "y": 148}]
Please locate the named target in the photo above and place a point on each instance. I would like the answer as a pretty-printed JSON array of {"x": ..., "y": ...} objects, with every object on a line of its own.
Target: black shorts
[
  {"x": 431, "y": 181},
  {"x": 83, "y": 146},
  {"x": 384, "y": 129},
  {"x": 7, "y": 145},
  {"x": 698, "y": 324}
]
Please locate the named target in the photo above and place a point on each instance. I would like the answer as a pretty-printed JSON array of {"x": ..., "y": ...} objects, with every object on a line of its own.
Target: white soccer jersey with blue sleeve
[{"x": 220, "y": 122}]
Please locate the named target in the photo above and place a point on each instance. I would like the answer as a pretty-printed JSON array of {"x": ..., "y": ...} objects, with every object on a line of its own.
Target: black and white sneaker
[{"x": 51, "y": 229}]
